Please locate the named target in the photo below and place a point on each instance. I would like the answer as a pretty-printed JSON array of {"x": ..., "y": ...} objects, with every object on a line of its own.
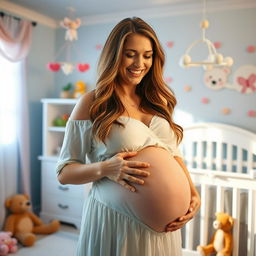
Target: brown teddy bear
[
  {"x": 221, "y": 242},
  {"x": 23, "y": 223}
]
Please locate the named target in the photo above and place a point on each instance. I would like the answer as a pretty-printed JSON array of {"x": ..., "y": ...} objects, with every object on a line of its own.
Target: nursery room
[{"x": 179, "y": 76}]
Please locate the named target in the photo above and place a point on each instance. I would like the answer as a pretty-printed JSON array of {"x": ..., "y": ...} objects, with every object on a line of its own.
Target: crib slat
[
  {"x": 200, "y": 154},
  {"x": 219, "y": 156},
  {"x": 236, "y": 215},
  {"x": 249, "y": 162},
  {"x": 209, "y": 154},
  {"x": 189, "y": 234},
  {"x": 229, "y": 157},
  {"x": 204, "y": 214},
  {"x": 220, "y": 199},
  {"x": 239, "y": 159},
  {"x": 251, "y": 221}
]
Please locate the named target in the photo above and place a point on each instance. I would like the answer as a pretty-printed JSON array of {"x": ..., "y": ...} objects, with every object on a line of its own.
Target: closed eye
[{"x": 130, "y": 55}]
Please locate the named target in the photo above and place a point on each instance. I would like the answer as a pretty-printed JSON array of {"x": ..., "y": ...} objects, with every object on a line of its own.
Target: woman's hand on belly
[
  {"x": 122, "y": 171},
  {"x": 193, "y": 208}
]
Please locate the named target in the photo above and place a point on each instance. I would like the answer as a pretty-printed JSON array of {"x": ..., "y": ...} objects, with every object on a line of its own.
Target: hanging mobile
[
  {"x": 213, "y": 59},
  {"x": 71, "y": 26}
]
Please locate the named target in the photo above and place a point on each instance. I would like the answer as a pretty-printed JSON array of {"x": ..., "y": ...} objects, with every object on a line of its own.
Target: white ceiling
[
  {"x": 57, "y": 9},
  {"x": 50, "y": 12}
]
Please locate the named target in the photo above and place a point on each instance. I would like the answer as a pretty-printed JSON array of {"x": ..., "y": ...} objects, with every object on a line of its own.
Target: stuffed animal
[
  {"x": 221, "y": 242},
  {"x": 244, "y": 79},
  {"x": 23, "y": 223},
  {"x": 80, "y": 88},
  {"x": 71, "y": 26},
  {"x": 61, "y": 120},
  {"x": 7, "y": 243}
]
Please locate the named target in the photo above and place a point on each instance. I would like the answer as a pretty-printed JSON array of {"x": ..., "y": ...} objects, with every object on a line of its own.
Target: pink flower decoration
[
  {"x": 217, "y": 45},
  {"x": 98, "y": 46},
  {"x": 169, "y": 44},
  {"x": 168, "y": 79},
  {"x": 205, "y": 100},
  {"x": 251, "y": 113},
  {"x": 53, "y": 66},
  {"x": 83, "y": 67},
  {"x": 251, "y": 49}
]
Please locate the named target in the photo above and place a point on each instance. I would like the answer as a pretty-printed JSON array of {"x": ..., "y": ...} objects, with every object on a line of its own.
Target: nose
[{"x": 138, "y": 63}]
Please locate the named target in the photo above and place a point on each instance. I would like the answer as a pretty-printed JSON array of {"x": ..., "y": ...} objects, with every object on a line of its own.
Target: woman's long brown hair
[{"x": 154, "y": 93}]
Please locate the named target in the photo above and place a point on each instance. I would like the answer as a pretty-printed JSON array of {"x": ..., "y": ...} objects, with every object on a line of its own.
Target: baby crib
[{"x": 222, "y": 162}]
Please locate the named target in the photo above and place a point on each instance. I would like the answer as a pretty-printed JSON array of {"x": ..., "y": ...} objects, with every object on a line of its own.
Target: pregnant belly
[{"x": 165, "y": 195}]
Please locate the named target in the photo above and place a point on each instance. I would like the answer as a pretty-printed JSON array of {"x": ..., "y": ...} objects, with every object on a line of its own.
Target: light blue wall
[
  {"x": 40, "y": 85},
  {"x": 235, "y": 29}
]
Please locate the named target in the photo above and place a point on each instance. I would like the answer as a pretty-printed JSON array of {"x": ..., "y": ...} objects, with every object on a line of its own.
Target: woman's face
[{"x": 137, "y": 58}]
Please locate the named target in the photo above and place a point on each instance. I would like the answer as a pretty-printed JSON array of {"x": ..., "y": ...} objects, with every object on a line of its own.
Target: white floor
[{"x": 61, "y": 243}]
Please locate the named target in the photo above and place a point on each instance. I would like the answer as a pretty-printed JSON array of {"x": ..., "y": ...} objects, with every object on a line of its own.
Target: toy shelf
[
  {"x": 56, "y": 129},
  {"x": 53, "y": 135},
  {"x": 62, "y": 202}
]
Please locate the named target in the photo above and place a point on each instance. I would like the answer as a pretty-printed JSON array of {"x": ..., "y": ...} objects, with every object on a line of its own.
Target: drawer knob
[
  {"x": 63, "y": 206},
  {"x": 63, "y": 188}
]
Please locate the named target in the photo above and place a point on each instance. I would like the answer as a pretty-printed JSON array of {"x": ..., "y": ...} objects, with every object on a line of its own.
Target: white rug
[{"x": 58, "y": 244}]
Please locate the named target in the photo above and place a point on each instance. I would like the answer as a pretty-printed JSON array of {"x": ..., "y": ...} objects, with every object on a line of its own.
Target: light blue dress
[{"x": 109, "y": 226}]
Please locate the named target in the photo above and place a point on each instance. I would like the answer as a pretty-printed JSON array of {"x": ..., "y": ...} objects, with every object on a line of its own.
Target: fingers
[
  {"x": 181, "y": 221},
  {"x": 175, "y": 225},
  {"x": 127, "y": 154},
  {"x": 127, "y": 186},
  {"x": 132, "y": 179},
  {"x": 136, "y": 172},
  {"x": 137, "y": 164}
]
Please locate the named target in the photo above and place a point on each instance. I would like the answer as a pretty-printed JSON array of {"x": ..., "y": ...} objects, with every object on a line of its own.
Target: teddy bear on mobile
[
  {"x": 23, "y": 223},
  {"x": 222, "y": 240},
  {"x": 71, "y": 26}
]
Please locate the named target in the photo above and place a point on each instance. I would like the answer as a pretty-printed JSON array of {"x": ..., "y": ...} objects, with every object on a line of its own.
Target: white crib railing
[
  {"x": 222, "y": 163},
  {"x": 206, "y": 182}
]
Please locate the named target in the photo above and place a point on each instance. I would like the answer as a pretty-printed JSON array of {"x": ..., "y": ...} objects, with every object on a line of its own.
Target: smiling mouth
[{"x": 135, "y": 72}]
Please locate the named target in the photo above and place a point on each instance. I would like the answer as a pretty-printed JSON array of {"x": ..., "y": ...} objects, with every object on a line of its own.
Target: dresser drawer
[
  {"x": 55, "y": 188},
  {"x": 51, "y": 185},
  {"x": 69, "y": 206}
]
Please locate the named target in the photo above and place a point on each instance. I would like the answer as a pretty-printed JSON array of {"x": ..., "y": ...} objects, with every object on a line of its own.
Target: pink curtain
[{"x": 15, "y": 38}]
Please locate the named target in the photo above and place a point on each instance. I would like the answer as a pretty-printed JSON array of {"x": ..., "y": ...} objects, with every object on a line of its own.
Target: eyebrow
[{"x": 132, "y": 50}]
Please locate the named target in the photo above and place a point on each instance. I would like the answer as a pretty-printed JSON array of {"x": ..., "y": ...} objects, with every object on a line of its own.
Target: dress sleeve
[{"x": 76, "y": 143}]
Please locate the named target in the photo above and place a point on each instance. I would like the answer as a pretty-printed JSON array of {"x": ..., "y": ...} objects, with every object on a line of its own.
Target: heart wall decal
[
  {"x": 53, "y": 66},
  {"x": 83, "y": 67}
]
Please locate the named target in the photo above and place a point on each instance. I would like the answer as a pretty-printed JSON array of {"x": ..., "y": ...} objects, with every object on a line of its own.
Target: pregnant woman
[{"x": 142, "y": 193}]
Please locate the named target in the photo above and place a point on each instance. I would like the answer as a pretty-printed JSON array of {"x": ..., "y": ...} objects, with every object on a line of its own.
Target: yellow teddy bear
[
  {"x": 221, "y": 242},
  {"x": 80, "y": 89},
  {"x": 23, "y": 223}
]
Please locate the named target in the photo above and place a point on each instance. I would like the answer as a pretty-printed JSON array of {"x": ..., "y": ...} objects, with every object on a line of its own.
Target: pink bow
[{"x": 247, "y": 83}]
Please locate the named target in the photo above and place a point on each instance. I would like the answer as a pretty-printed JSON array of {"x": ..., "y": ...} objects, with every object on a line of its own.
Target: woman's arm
[
  {"x": 117, "y": 168},
  {"x": 77, "y": 173}
]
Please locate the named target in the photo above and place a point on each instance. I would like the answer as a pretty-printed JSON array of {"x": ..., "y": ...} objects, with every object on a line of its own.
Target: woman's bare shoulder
[{"x": 82, "y": 108}]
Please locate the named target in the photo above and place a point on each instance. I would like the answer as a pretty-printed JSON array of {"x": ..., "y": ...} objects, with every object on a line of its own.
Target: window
[{"x": 9, "y": 75}]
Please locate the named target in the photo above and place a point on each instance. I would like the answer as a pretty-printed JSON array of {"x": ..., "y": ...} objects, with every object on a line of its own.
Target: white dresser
[{"x": 62, "y": 202}]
